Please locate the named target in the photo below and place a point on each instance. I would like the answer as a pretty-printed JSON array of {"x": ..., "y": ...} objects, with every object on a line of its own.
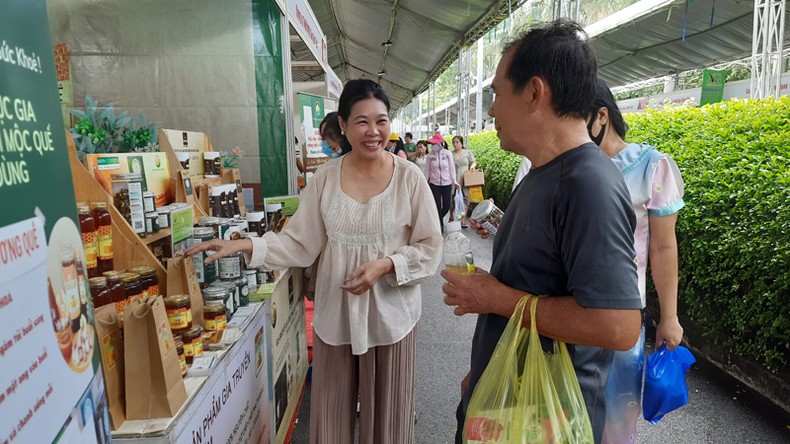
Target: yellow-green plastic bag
[{"x": 526, "y": 396}]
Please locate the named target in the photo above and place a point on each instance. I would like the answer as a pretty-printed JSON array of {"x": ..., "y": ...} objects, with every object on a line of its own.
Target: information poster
[
  {"x": 311, "y": 112},
  {"x": 50, "y": 379},
  {"x": 236, "y": 404}
]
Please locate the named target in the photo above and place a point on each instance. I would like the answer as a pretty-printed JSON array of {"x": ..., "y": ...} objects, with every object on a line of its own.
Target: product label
[
  {"x": 194, "y": 348},
  {"x": 216, "y": 324},
  {"x": 179, "y": 318},
  {"x": 136, "y": 207},
  {"x": 104, "y": 239},
  {"x": 153, "y": 290},
  {"x": 165, "y": 338},
  {"x": 229, "y": 267},
  {"x": 490, "y": 227},
  {"x": 182, "y": 362},
  {"x": 89, "y": 244},
  {"x": 470, "y": 263},
  {"x": 120, "y": 306},
  {"x": 111, "y": 349}
]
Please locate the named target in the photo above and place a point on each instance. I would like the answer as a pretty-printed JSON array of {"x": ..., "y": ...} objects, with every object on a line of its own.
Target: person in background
[
  {"x": 521, "y": 172},
  {"x": 656, "y": 187},
  {"x": 440, "y": 172},
  {"x": 568, "y": 230},
  {"x": 464, "y": 161},
  {"x": 299, "y": 164},
  {"x": 395, "y": 146},
  {"x": 370, "y": 216},
  {"x": 330, "y": 136},
  {"x": 410, "y": 146},
  {"x": 419, "y": 158}
]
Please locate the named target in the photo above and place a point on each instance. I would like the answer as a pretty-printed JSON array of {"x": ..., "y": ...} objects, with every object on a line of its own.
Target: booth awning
[{"x": 404, "y": 44}]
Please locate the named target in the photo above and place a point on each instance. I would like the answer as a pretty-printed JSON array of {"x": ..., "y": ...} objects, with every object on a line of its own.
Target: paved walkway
[{"x": 719, "y": 411}]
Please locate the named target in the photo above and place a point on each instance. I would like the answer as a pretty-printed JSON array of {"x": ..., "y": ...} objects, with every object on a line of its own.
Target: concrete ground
[{"x": 720, "y": 410}]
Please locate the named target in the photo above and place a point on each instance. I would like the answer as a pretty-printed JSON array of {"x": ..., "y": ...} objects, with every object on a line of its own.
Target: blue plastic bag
[{"x": 665, "y": 382}]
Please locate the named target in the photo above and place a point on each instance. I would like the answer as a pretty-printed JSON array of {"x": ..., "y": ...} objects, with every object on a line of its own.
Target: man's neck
[{"x": 556, "y": 137}]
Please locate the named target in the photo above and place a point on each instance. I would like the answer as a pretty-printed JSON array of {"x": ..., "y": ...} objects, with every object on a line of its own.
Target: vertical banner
[
  {"x": 712, "y": 86},
  {"x": 311, "y": 113},
  {"x": 50, "y": 380}
]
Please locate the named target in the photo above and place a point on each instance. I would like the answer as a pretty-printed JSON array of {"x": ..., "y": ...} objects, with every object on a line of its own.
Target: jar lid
[
  {"x": 482, "y": 210},
  {"x": 208, "y": 220},
  {"x": 152, "y": 214},
  {"x": 127, "y": 176},
  {"x": 112, "y": 274},
  {"x": 192, "y": 333},
  {"x": 251, "y": 271},
  {"x": 97, "y": 281},
  {"x": 215, "y": 291},
  {"x": 99, "y": 204},
  {"x": 211, "y": 154},
  {"x": 179, "y": 346},
  {"x": 214, "y": 308},
  {"x": 130, "y": 277},
  {"x": 177, "y": 299},
  {"x": 143, "y": 270},
  {"x": 148, "y": 194},
  {"x": 202, "y": 231},
  {"x": 270, "y": 207}
]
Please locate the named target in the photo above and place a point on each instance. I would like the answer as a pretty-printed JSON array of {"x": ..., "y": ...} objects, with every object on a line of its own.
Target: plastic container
[
  {"x": 230, "y": 266},
  {"x": 488, "y": 216},
  {"x": 149, "y": 202},
  {"x": 458, "y": 256},
  {"x": 127, "y": 191},
  {"x": 206, "y": 274}
]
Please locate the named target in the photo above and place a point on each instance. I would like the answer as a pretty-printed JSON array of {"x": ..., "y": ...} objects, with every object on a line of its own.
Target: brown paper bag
[
  {"x": 108, "y": 329},
  {"x": 181, "y": 279},
  {"x": 154, "y": 387}
]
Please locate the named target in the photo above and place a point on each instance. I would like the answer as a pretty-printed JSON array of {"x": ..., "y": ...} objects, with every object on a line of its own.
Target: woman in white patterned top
[{"x": 370, "y": 216}]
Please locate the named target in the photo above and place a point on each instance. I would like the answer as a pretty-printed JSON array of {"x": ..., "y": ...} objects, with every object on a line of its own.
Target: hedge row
[{"x": 734, "y": 233}]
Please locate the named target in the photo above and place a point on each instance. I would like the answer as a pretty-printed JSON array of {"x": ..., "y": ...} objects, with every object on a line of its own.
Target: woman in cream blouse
[{"x": 371, "y": 217}]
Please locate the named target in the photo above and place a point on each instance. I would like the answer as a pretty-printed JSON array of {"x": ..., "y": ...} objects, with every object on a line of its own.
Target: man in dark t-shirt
[{"x": 568, "y": 232}]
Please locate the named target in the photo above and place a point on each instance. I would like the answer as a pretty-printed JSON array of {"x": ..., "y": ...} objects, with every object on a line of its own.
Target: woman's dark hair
[
  {"x": 330, "y": 128},
  {"x": 356, "y": 91},
  {"x": 398, "y": 146},
  {"x": 560, "y": 54},
  {"x": 604, "y": 98},
  {"x": 460, "y": 139},
  {"x": 425, "y": 144}
]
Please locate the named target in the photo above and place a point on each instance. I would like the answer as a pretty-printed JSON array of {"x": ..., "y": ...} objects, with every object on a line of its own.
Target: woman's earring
[{"x": 342, "y": 133}]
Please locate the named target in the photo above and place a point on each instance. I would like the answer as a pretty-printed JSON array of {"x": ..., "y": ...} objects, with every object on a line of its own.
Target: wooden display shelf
[
  {"x": 129, "y": 249},
  {"x": 155, "y": 237}
]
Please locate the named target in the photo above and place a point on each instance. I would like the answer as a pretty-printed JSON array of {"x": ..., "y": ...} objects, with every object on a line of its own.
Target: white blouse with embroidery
[{"x": 400, "y": 223}]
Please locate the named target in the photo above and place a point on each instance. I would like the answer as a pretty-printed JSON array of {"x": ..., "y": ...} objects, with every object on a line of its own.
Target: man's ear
[{"x": 537, "y": 92}]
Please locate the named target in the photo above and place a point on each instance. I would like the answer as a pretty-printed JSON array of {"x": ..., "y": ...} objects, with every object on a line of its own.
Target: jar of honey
[
  {"x": 100, "y": 294},
  {"x": 132, "y": 287},
  {"x": 179, "y": 313},
  {"x": 193, "y": 343},
  {"x": 104, "y": 235},
  {"x": 89, "y": 239},
  {"x": 182, "y": 360},
  {"x": 148, "y": 280},
  {"x": 215, "y": 317},
  {"x": 117, "y": 291}
]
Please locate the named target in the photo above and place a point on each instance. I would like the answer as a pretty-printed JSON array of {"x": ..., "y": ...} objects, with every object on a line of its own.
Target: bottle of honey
[
  {"x": 89, "y": 235},
  {"x": 104, "y": 235}
]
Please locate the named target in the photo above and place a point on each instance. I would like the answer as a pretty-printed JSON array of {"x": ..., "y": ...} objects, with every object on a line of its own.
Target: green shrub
[
  {"x": 499, "y": 166},
  {"x": 733, "y": 234}
]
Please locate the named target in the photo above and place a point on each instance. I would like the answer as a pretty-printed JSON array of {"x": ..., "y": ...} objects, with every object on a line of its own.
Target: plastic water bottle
[{"x": 458, "y": 250}]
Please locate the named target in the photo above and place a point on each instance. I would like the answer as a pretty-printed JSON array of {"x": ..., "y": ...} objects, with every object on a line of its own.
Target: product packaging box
[
  {"x": 474, "y": 178},
  {"x": 188, "y": 147},
  {"x": 153, "y": 167}
]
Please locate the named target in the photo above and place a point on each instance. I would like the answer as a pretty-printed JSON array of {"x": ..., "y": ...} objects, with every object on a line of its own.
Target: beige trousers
[{"x": 383, "y": 378}]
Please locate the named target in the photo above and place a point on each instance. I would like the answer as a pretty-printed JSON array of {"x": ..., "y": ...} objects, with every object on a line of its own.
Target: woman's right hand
[{"x": 221, "y": 248}]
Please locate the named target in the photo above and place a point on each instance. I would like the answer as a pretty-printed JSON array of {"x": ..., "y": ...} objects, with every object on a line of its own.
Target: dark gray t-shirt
[{"x": 568, "y": 231}]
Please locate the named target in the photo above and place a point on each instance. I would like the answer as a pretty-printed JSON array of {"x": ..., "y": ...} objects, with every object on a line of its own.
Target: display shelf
[
  {"x": 155, "y": 237},
  {"x": 129, "y": 249}
]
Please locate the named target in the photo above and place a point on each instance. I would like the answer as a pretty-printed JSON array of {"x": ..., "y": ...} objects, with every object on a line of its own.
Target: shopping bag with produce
[
  {"x": 525, "y": 395},
  {"x": 665, "y": 382}
]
